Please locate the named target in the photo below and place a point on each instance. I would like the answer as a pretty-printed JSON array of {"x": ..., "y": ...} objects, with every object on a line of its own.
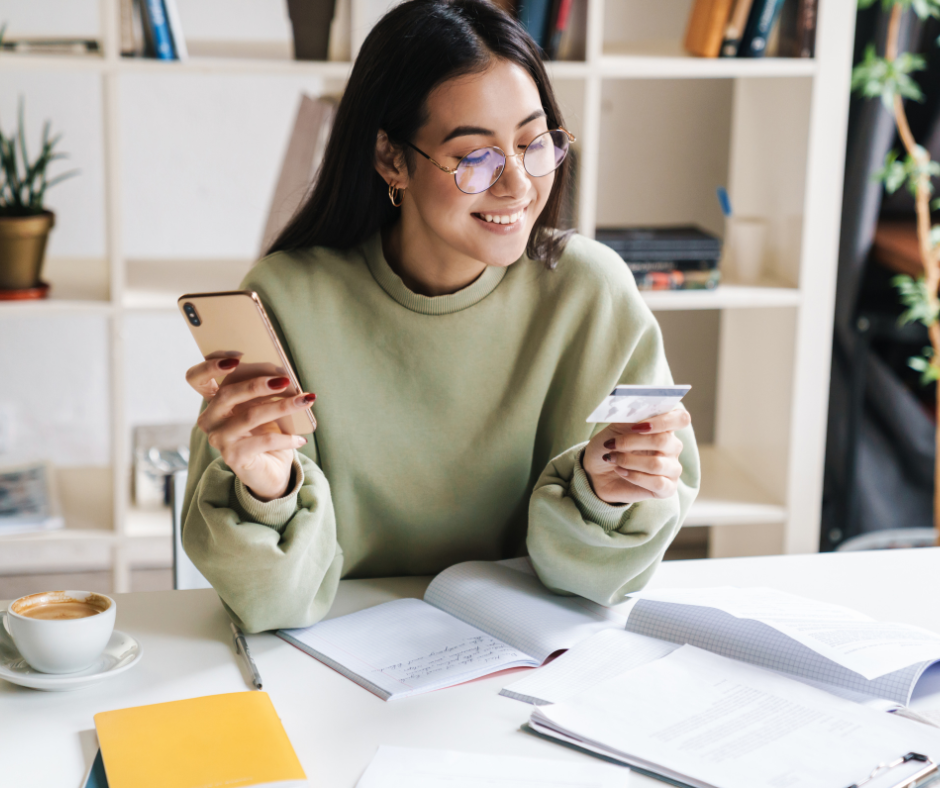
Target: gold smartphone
[{"x": 234, "y": 324}]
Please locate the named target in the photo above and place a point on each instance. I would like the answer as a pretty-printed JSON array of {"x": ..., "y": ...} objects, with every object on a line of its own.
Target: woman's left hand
[{"x": 626, "y": 463}]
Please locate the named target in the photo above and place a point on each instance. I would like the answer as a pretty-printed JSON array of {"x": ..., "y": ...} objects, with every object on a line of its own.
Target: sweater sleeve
[
  {"x": 582, "y": 545},
  {"x": 274, "y": 564}
]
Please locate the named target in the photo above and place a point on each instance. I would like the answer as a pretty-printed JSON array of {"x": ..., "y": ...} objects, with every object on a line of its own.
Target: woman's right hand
[{"x": 240, "y": 423}]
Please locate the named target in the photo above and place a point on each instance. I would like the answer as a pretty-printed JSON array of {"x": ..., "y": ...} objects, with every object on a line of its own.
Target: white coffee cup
[{"x": 60, "y": 644}]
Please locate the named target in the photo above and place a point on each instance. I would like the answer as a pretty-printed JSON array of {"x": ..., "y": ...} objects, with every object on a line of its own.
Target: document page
[
  {"x": 718, "y": 722},
  {"x": 404, "y": 647},
  {"x": 406, "y": 767},
  {"x": 516, "y": 608},
  {"x": 848, "y": 638},
  {"x": 602, "y": 656}
]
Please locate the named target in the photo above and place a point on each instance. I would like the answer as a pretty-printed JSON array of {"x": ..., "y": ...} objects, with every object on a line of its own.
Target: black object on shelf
[
  {"x": 682, "y": 257},
  {"x": 311, "y": 21}
]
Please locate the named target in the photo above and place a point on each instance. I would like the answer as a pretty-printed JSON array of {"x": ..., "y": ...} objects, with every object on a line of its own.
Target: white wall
[
  {"x": 201, "y": 155},
  {"x": 54, "y": 399}
]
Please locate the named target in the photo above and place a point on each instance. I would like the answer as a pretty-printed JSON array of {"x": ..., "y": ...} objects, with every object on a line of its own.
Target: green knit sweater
[{"x": 450, "y": 429}]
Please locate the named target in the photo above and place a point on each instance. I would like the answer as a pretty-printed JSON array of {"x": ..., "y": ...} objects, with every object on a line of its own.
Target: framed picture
[{"x": 28, "y": 499}]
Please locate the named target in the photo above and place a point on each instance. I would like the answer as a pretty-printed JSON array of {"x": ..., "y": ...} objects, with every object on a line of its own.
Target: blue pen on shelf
[{"x": 724, "y": 200}]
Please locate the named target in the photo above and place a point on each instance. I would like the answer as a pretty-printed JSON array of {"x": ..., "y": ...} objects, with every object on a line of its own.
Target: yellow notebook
[{"x": 229, "y": 740}]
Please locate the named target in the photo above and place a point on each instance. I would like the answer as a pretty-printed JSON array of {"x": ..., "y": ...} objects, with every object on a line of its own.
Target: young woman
[{"x": 456, "y": 342}]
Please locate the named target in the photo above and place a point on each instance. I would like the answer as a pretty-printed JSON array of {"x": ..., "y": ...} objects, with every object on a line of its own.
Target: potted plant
[
  {"x": 889, "y": 78},
  {"x": 24, "y": 221}
]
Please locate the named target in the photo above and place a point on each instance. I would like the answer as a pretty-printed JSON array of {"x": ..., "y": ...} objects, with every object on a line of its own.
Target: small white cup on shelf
[{"x": 747, "y": 248}]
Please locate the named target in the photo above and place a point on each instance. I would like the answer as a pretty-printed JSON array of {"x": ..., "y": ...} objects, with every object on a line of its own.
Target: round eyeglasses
[{"x": 480, "y": 169}]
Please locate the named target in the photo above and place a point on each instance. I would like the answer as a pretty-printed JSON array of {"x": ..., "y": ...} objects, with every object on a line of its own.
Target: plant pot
[{"x": 22, "y": 249}]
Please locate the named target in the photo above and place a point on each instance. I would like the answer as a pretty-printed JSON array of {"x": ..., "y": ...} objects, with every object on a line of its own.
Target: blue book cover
[
  {"x": 757, "y": 30},
  {"x": 160, "y": 30},
  {"x": 533, "y": 14}
]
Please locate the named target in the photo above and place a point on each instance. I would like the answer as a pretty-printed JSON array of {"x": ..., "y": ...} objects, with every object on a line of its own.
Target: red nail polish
[
  {"x": 309, "y": 399},
  {"x": 611, "y": 444},
  {"x": 278, "y": 383},
  {"x": 642, "y": 427},
  {"x": 228, "y": 363},
  {"x": 606, "y": 458}
]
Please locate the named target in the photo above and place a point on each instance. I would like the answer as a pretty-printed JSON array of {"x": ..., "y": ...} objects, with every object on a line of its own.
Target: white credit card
[{"x": 630, "y": 404}]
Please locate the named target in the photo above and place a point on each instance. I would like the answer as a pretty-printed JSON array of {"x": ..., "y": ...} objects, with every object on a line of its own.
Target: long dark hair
[{"x": 414, "y": 48}]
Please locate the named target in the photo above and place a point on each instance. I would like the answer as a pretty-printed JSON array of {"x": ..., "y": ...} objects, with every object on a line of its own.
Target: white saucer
[{"x": 121, "y": 653}]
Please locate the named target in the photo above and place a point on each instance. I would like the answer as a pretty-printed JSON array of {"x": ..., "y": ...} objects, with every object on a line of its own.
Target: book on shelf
[
  {"x": 557, "y": 25},
  {"x": 572, "y": 43},
  {"x": 737, "y": 20},
  {"x": 682, "y": 257},
  {"x": 534, "y": 15},
  {"x": 706, "y": 27},
  {"x": 50, "y": 46},
  {"x": 760, "y": 22},
  {"x": 477, "y": 618},
  {"x": 133, "y": 43},
  {"x": 29, "y": 499},
  {"x": 160, "y": 23},
  {"x": 797, "y": 28}
]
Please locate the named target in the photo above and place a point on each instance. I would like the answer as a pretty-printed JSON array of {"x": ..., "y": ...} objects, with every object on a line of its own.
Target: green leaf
[
  {"x": 926, "y": 8},
  {"x": 878, "y": 77},
  {"x": 914, "y": 296},
  {"x": 24, "y": 181},
  {"x": 924, "y": 363},
  {"x": 895, "y": 173}
]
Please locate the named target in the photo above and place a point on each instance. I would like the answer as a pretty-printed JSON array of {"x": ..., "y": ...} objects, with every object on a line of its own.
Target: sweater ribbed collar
[{"x": 392, "y": 284}]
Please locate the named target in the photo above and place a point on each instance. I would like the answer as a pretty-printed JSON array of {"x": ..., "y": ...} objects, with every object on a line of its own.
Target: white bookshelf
[{"x": 777, "y": 142}]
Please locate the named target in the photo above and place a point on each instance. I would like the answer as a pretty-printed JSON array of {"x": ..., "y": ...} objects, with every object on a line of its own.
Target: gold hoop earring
[{"x": 392, "y": 195}]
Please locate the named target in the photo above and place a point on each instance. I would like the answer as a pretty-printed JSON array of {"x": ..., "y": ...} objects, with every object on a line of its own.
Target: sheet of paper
[
  {"x": 847, "y": 637},
  {"x": 720, "y": 722},
  {"x": 602, "y": 656},
  {"x": 405, "y": 767},
  {"x": 407, "y": 645},
  {"x": 516, "y": 608},
  {"x": 630, "y": 404}
]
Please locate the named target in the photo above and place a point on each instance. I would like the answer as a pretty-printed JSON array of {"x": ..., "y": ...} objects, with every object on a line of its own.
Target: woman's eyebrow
[{"x": 465, "y": 131}]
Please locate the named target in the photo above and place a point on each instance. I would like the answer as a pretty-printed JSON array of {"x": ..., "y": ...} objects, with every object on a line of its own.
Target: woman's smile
[{"x": 503, "y": 222}]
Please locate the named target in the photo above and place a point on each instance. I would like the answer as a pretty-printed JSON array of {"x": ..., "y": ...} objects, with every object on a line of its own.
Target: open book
[
  {"x": 476, "y": 618},
  {"x": 827, "y": 646}
]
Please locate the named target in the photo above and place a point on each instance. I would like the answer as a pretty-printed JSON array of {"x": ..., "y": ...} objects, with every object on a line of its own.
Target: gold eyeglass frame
[{"x": 507, "y": 156}]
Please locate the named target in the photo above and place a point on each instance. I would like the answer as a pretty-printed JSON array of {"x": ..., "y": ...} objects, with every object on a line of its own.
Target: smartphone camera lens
[{"x": 191, "y": 313}]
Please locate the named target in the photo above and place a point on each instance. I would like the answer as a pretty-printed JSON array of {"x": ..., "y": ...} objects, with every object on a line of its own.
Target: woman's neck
[{"x": 426, "y": 265}]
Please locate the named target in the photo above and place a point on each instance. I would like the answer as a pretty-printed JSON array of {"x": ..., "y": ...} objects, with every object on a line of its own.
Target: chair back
[{"x": 185, "y": 574}]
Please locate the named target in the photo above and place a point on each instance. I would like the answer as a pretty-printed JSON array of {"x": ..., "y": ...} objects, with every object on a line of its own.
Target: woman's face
[{"x": 498, "y": 107}]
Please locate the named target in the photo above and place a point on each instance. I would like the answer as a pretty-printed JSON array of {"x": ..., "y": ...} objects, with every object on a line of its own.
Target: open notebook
[
  {"x": 476, "y": 618},
  {"x": 826, "y": 646}
]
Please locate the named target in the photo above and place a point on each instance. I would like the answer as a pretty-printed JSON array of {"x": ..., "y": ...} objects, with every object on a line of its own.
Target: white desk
[{"x": 334, "y": 725}]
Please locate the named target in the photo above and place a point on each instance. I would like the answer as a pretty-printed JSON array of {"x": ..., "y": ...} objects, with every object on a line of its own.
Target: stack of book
[
  {"x": 752, "y": 28},
  {"x": 667, "y": 258},
  {"x": 557, "y": 26},
  {"x": 151, "y": 28}
]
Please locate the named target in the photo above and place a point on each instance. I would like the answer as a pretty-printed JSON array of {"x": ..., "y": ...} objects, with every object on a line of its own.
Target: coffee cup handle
[{"x": 6, "y": 626}]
